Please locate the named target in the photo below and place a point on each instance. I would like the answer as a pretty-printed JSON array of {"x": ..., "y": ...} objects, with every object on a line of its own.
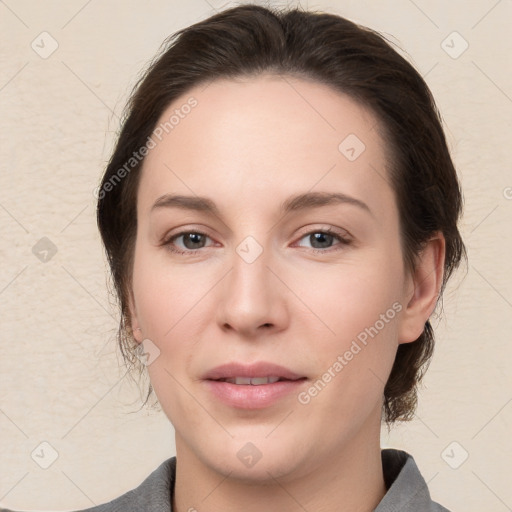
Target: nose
[{"x": 252, "y": 299}]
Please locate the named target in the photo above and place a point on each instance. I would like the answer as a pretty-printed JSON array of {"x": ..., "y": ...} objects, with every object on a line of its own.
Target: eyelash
[{"x": 343, "y": 241}]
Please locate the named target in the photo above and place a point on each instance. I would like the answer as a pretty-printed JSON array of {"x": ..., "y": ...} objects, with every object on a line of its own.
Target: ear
[
  {"x": 134, "y": 320},
  {"x": 422, "y": 289}
]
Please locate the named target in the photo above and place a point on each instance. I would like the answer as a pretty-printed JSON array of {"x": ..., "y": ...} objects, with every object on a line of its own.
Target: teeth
[{"x": 254, "y": 381}]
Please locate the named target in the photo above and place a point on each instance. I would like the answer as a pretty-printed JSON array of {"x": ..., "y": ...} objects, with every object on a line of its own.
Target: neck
[{"x": 347, "y": 480}]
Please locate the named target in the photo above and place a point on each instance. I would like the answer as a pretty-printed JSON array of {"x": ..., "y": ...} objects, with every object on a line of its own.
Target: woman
[{"x": 280, "y": 217}]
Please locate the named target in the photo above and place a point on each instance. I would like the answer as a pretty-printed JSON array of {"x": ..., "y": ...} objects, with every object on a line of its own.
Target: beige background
[{"x": 61, "y": 375}]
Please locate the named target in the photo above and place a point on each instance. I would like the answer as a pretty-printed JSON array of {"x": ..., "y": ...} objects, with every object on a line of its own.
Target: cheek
[
  {"x": 167, "y": 304},
  {"x": 340, "y": 304},
  {"x": 165, "y": 295},
  {"x": 352, "y": 296},
  {"x": 341, "y": 300},
  {"x": 174, "y": 304},
  {"x": 361, "y": 305}
]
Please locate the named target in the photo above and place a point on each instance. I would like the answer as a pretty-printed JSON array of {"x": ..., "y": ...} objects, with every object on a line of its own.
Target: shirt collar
[{"x": 406, "y": 488}]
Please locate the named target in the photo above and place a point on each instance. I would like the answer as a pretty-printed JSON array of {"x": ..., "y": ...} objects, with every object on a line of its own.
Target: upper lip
[{"x": 259, "y": 369}]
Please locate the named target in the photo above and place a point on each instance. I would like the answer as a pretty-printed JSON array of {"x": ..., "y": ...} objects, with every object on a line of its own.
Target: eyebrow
[{"x": 298, "y": 202}]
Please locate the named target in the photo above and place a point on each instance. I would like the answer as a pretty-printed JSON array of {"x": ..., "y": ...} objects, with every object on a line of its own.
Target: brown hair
[{"x": 250, "y": 40}]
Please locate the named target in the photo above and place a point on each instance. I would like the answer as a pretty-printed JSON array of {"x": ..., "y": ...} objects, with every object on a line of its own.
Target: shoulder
[
  {"x": 407, "y": 489},
  {"x": 152, "y": 495}
]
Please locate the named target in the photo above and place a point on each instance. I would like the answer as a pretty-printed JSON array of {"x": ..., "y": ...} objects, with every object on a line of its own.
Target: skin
[{"x": 249, "y": 145}]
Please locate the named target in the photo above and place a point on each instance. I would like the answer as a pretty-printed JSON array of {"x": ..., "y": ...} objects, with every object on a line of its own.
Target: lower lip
[{"x": 247, "y": 396}]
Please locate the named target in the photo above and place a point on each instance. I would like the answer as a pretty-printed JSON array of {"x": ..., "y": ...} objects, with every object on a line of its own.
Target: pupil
[
  {"x": 323, "y": 238},
  {"x": 193, "y": 238}
]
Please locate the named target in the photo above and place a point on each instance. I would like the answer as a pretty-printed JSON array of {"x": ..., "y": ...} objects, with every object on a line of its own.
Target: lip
[
  {"x": 259, "y": 369},
  {"x": 249, "y": 396},
  {"x": 242, "y": 396}
]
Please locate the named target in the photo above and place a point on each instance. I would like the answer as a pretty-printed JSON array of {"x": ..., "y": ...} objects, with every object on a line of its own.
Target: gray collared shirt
[{"x": 407, "y": 490}]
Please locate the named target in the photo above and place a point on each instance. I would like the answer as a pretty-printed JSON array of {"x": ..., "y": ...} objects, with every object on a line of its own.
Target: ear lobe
[{"x": 426, "y": 281}]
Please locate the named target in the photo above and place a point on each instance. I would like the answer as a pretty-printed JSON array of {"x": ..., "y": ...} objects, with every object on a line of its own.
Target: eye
[
  {"x": 191, "y": 242},
  {"x": 322, "y": 240}
]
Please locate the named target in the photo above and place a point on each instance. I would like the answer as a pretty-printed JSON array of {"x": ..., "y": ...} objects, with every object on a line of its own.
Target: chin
[{"x": 255, "y": 458}]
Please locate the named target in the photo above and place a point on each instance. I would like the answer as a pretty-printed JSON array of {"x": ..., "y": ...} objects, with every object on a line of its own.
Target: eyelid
[
  {"x": 181, "y": 230},
  {"x": 343, "y": 233}
]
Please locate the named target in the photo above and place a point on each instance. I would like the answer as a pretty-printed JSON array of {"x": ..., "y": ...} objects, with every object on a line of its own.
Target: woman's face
[{"x": 268, "y": 234}]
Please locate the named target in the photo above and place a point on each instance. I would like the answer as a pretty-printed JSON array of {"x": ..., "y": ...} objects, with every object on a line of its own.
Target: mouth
[
  {"x": 255, "y": 373},
  {"x": 253, "y": 381},
  {"x": 252, "y": 386}
]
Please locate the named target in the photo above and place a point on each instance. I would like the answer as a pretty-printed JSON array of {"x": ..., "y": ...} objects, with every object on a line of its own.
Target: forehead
[{"x": 270, "y": 132}]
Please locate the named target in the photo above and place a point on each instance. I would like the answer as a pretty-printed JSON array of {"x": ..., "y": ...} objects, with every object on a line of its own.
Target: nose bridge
[
  {"x": 250, "y": 276},
  {"x": 251, "y": 296}
]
